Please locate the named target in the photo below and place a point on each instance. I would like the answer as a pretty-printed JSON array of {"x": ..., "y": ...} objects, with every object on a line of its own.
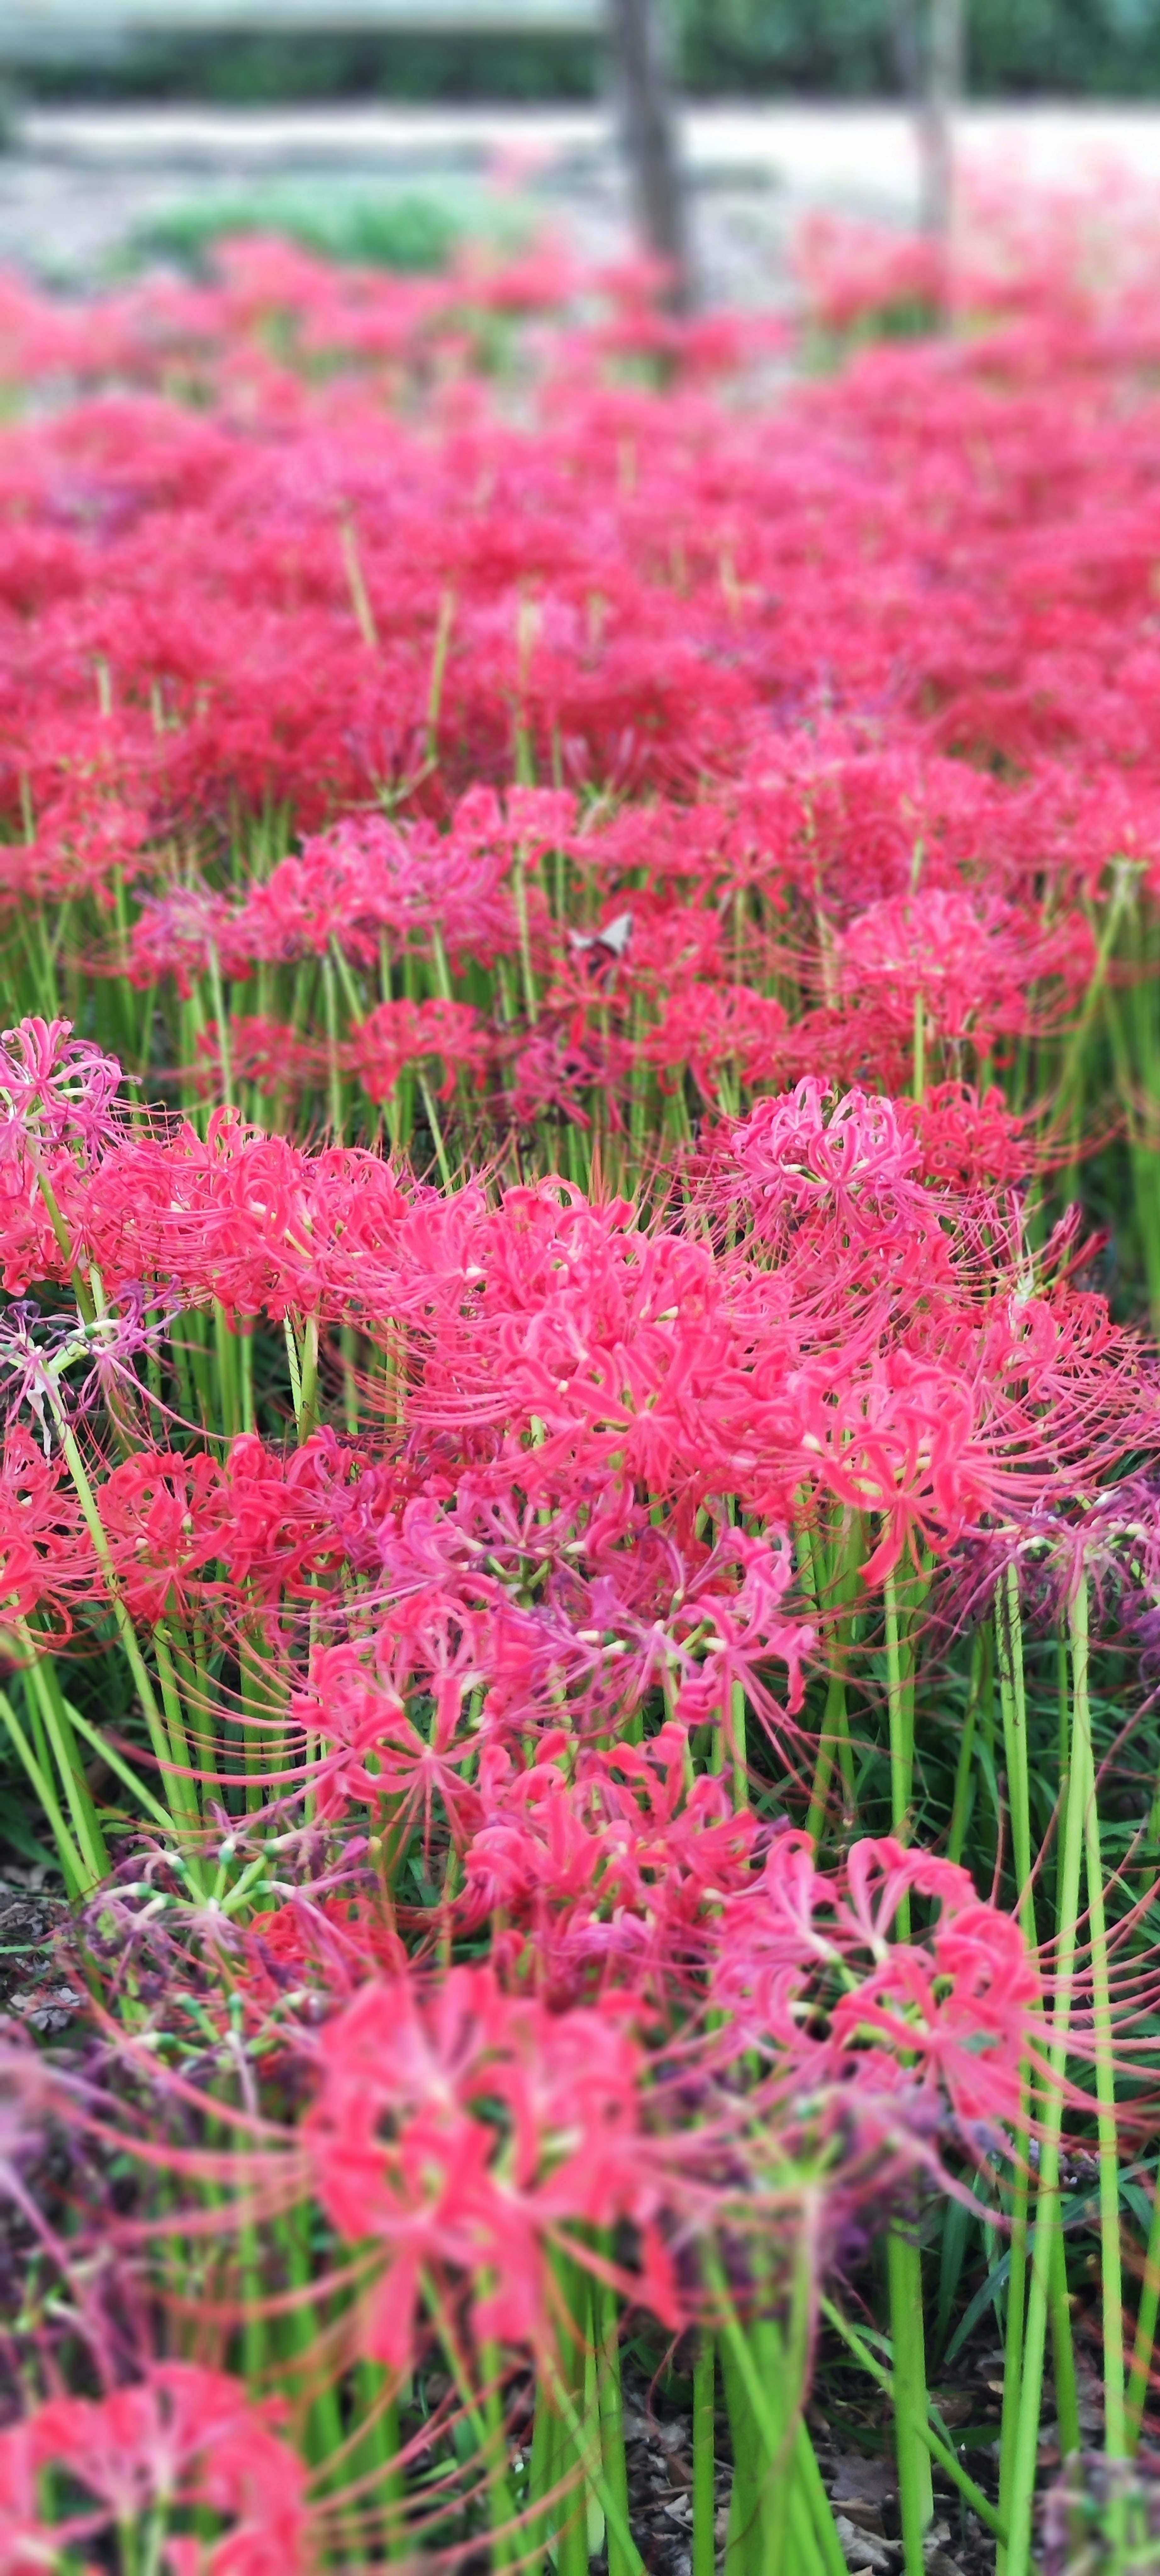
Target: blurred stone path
[{"x": 75, "y": 183}]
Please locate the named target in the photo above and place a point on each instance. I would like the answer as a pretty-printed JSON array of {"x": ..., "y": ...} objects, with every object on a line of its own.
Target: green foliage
[
  {"x": 825, "y": 48},
  {"x": 849, "y": 48},
  {"x": 413, "y": 231},
  {"x": 239, "y": 70}
]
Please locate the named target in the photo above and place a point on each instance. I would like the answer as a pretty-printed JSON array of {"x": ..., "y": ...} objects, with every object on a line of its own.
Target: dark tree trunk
[
  {"x": 638, "y": 39},
  {"x": 942, "y": 90},
  {"x": 928, "y": 50}
]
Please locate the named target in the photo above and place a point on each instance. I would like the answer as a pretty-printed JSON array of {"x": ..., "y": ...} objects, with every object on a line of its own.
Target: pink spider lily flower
[
  {"x": 379, "y": 1750},
  {"x": 181, "y": 933},
  {"x": 807, "y": 1964},
  {"x": 465, "y": 2132},
  {"x": 397, "y": 1034},
  {"x": 708, "y": 1028},
  {"x": 973, "y": 962},
  {"x": 46, "y": 1553},
  {"x": 56, "y": 1090},
  {"x": 855, "y": 1159},
  {"x": 184, "y": 2442}
]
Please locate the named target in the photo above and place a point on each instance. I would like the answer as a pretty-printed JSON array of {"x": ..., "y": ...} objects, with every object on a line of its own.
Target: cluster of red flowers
[{"x": 586, "y": 1308}]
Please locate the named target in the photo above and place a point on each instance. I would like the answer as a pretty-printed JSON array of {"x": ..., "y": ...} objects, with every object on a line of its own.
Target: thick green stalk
[
  {"x": 1013, "y": 1704},
  {"x": 835, "y": 1730},
  {"x": 918, "y": 1079},
  {"x": 1018, "y": 2498},
  {"x": 540, "y": 2477},
  {"x": 779, "y": 2494},
  {"x": 904, "y": 2262},
  {"x": 40, "y": 1677},
  {"x": 901, "y": 1606},
  {"x": 1144, "y": 2346},
  {"x": 705, "y": 2458},
  {"x": 940, "y": 2451},
  {"x": 911, "y": 2404},
  {"x": 587, "y": 2457},
  {"x": 1116, "y": 2445},
  {"x": 962, "y": 1801},
  {"x": 610, "y": 2401},
  {"x": 740, "y": 1747},
  {"x": 370, "y": 2458},
  {"x": 124, "y": 1625},
  {"x": 77, "y": 1877},
  {"x": 223, "y": 1026}
]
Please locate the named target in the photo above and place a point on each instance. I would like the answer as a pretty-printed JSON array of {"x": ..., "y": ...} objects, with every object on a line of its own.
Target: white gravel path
[{"x": 74, "y": 183}]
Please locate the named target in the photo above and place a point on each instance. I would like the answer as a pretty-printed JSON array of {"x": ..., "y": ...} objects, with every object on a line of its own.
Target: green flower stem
[
  {"x": 223, "y": 1027},
  {"x": 778, "y": 2486},
  {"x": 835, "y": 1731},
  {"x": 40, "y": 1676},
  {"x": 1013, "y": 1705},
  {"x": 1069, "y": 1088},
  {"x": 486, "y": 2423},
  {"x": 904, "y": 2261},
  {"x": 1063, "y": 2353},
  {"x": 1018, "y": 2497},
  {"x": 941, "y": 2453},
  {"x": 704, "y": 2458},
  {"x": 297, "y": 2336},
  {"x": 615, "y": 2516},
  {"x": 900, "y": 1713},
  {"x": 981, "y": 1686},
  {"x": 77, "y": 1878},
  {"x": 162, "y": 1749},
  {"x": 1144, "y": 2346},
  {"x": 370, "y": 2460},
  {"x": 610, "y": 2400},
  {"x": 120, "y": 1769},
  {"x": 918, "y": 1078},
  {"x": 911, "y": 2404},
  {"x": 333, "y": 1068},
  {"x": 432, "y": 1116},
  {"x": 1116, "y": 2445},
  {"x": 540, "y": 2479}
]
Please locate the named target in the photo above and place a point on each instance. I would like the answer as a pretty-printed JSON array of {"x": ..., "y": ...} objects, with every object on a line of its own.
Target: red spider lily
[
  {"x": 167, "y": 1518},
  {"x": 950, "y": 2017},
  {"x": 857, "y": 1164},
  {"x": 704, "y": 1028},
  {"x": 380, "y": 1753},
  {"x": 367, "y": 877},
  {"x": 467, "y": 2132},
  {"x": 974, "y": 963},
  {"x": 325, "y": 1945},
  {"x": 612, "y": 1875},
  {"x": 185, "y": 2441},
  {"x": 55, "y": 1090},
  {"x": 558, "y": 1070},
  {"x": 181, "y": 934},
  {"x": 398, "y": 1034},
  {"x": 568, "y": 1605},
  {"x": 261, "y": 1051},
  {"x": 971, "y": 1141},
  {"x": 44, "y": 1548}
]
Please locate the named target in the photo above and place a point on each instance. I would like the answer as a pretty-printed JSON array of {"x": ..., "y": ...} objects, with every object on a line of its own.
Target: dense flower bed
[{"x": 579, "y": 1160}]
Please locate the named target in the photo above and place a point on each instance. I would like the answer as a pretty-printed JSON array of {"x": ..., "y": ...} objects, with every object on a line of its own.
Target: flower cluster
[{"x": 570, "y": 965}]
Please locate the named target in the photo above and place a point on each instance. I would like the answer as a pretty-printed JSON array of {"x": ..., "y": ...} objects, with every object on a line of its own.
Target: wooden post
[{"x": 637, "y": 36}]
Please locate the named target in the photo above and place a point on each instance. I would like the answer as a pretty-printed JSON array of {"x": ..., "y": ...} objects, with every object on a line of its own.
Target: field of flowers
[{"x": 580, "y": 1508}]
